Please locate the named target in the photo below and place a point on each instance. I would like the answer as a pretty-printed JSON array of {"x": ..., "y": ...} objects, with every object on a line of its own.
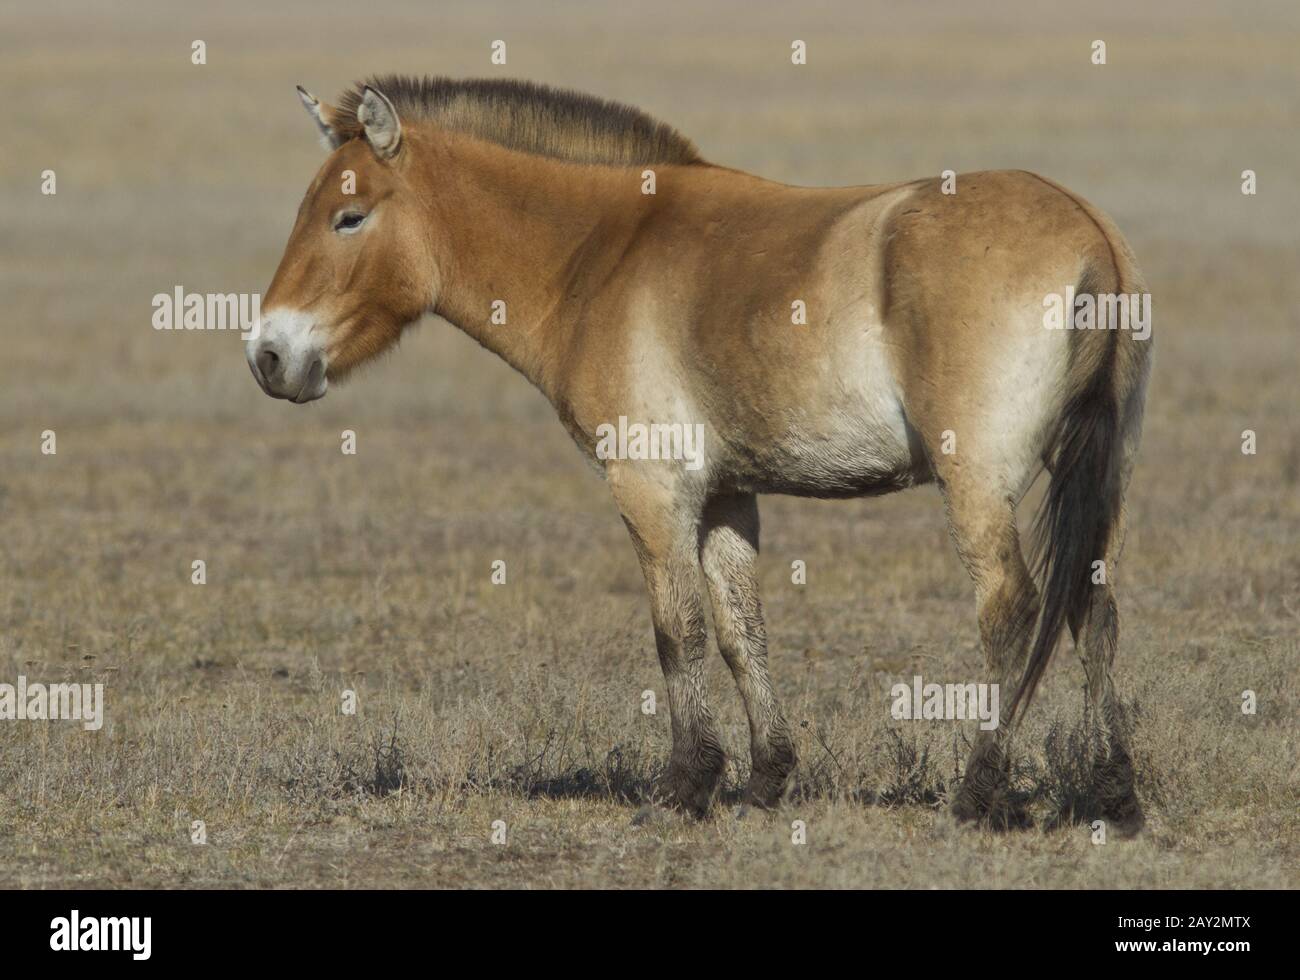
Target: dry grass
[{"x": 521, "y": 703}]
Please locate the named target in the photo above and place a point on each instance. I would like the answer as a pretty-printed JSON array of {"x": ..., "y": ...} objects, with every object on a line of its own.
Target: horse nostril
[
  {"x": 317, "y": 372},
  {"x": 267, "y": 361}
]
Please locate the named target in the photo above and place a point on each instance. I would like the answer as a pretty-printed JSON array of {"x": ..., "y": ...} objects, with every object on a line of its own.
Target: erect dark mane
[{"x": 526, "y": 116}]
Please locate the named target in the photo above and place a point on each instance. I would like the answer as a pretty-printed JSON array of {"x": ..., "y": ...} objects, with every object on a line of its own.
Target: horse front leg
[
  {"x": 663, "y": 525},
  {"x": 728, "y": 553}
]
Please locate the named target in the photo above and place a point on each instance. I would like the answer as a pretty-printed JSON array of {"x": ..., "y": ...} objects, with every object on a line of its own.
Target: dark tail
[{"x": 1073, "y": 528}]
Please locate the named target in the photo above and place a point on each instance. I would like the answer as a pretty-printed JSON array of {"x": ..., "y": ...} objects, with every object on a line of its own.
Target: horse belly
[{"x": 849, "y": 437}]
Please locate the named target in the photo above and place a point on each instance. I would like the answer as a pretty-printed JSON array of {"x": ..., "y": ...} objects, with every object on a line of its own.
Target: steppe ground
[{"x": 522, "y": 703}]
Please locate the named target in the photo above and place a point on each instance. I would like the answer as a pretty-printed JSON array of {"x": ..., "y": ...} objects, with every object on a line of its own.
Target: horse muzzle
[{"x": 286, "y": 362}]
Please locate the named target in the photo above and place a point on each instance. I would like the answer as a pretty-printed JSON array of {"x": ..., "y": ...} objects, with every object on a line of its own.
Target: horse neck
[{"x": 535, "y": 233}]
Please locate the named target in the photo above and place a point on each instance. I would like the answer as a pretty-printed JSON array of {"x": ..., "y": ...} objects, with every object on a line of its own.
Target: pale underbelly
[{"x": 860, "y": 455}]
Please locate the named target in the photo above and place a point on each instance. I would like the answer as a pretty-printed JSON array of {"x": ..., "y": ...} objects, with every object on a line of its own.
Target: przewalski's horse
[{"x": 921, "y": 354}]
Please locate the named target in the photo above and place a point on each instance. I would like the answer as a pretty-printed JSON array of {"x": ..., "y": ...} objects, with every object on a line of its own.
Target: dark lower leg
[{"x": 1112, "y": 773}]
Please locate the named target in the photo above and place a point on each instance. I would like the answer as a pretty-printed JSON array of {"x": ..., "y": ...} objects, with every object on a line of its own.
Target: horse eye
[{"x": 350, "y": 221}]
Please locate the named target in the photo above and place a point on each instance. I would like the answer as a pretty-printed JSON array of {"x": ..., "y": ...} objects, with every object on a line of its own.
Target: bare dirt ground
[{"x": 522, "y": 703}]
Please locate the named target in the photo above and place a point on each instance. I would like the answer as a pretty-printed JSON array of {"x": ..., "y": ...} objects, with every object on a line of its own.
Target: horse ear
[
  {"x": 379, "y": 119},
  {"x": 329, "y": 137}
]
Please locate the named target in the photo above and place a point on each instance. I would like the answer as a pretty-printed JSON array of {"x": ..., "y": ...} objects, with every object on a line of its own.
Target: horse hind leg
[
  {"x": 1096, "y": 633},
  {"x": 982, "y": 520}
]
